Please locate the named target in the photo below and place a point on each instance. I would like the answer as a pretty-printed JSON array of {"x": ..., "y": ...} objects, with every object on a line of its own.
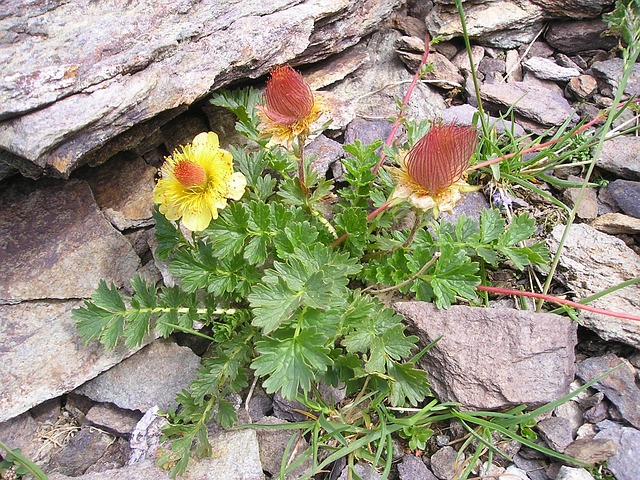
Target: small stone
[
  {"x": 112, "y": 419},
  {"x": 591, "y": 450},
  {"x": 463, "y": 114},
  {"x": 619, "y": 386},
  {"x": 534, "y": 468},
  {"x": 413, "y": 468},
  {"x": 582, "y": 87},
  {"x": 547, "y": 69},
  {"x": 588, "y": 208},
  {"x": 616, "y": 223},
  {"x": 444, "y": 74},
  {"x": 367, "y": 131},
  {"x": 556, "y": 431},
  {"x": 260, "y": 403},
  {"x": 586, "y": 431},
  {"x": 570, "y": 473},
  {"x": 364, "y": 470},
  {"x": 148, "y": 378},
  {"x": 514, "y": 473},
  {"x": 84, "y": 450},
  {"x": 444, "y": 463},
  {"x": 461, "y": 59},
  {"x": 621, "y": 156},
  {"x": 323, "y": 153},
  {"x": 288, "y": 410},
  {"x": 514, "y": 66},
  {"x": 610, "y": 71},
  {"x": 147, "y": 435},
  {"x": 21, "y": 432},
  {"x": 490, "y": 66},
  {"x": 626, "y": 195},
  {"x": 336, "y": 67},
  {"x": 273, "y": 443},
  {"x": 572, "y": 412},
  {"x": 624, "y": 462}
]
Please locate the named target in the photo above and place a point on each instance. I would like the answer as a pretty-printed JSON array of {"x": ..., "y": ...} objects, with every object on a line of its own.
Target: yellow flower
[
  {"x": 290, "y": 107},
  {"x": 431, "y": 176},
  {"x": 196, "y": 182}
]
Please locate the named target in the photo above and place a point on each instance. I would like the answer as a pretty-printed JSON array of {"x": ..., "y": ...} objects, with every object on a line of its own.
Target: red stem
[
  {"x": 550, "y": 298},
  {"x": 405, "y": 102}
]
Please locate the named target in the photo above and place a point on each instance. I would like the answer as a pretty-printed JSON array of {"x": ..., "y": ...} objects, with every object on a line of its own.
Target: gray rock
[
  {"x": 140, "y": 471},
  {"x": 444, "y": 75},
  {"x": 579, "y": 35},
  {"x": 572, "y": 412},
  {"x": 526, "y": 98},
  {"x": 472, "y": 204},
  {"x": 570, "y": 473},
  {"x": 463, "y": 114},
  {"x": 592, "y": 261},
  {"x": 325, "y": 154},
  {"x": 364, "y": 470},
  {"x": 56, "y": 243},
  {"x": 260, "y": 404},
  {"x": 151, "y": 377},
  {"x": 513, "y": 473},
  {"x": 145, "y": 62},
  {"x": 461, "y": 59},
  {"x": 621, "y": 156},
  {"x": 445, "y": 463},
  {"x": 626, "y": 194},
  {"x": 273, "y": 443},
  {"x": 21, "y": 432},
  {"x": 619, "y": 386},
  {"x": 494, "y": 357},
  {"x": 86, "y": 449},
  {"x": 547, "y": 69},
  {"x": 624, "y": 463},
  {"x": 336, "y": 67},
  {"x": 413, "y": 468},
  {"x": 42, "y": 356},
  {"x": 591, "y": 450},
  {"x": 582, "y": 87},
  {"x": 535, "y": 470},
  {"x": 146, "y": 436},
  {"x": 489, "y": 66},
  {"x": 123, "y": 189},
  {"x": 514, "y": 66},
  {"x": 610, "y": 72},
  {"x": 367, "y": 131},
  {"x": 112, "y": 419},
  {"x": 556, "y": 431}
]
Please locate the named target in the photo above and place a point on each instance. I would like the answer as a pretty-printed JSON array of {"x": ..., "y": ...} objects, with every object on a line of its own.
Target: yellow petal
[
  {"x": 237, "y": 184},
  {"x": 197, "y": 220}
]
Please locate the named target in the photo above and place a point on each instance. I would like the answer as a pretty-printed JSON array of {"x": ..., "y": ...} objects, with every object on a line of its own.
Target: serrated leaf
[
  {"x": 242, "y": 103},
  {"x": 108, "y": 297},
  {"x": 167, "y": 235},
  {"x": 454, "y": 274},
  {"x": 228, "y": 233},
  {"x": 273, "y": 305},
  {"x": 491, "y": 225},
  {"x": 226, "y": 415},
  {"x": 488, "y": 255},
  {"x": 145, "y": 294},
  {"x": 521, "y": 228},
  {"x": 136, "y": 328},
  {"x": 408, "y": 384},
  {"x": 353, "y": 222},
  {"x": 466, "y": 228}
]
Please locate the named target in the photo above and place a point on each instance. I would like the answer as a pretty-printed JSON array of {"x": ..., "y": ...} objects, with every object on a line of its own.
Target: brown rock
[
  {"x": 616, "y": 223},
  {"x": 582, "y": 86},
  {"x": 590, "y": 450}
]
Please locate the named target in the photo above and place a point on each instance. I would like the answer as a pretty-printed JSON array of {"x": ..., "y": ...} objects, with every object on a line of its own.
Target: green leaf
[
  {"x": 291, "y": 363},
  {"x": 108, "y": 298},
  {"x": 167, "y": 234},
  {"x": 521, "y": 227},
  {"x": 353, "y": 222},
  {"x": 408, "y": 384},
  {"x": 242, "y": 103},
  {"x": 103, "y": 317},
  {"x": 466, "y": 229},
  {"x": 273, "y": 305},
  {"x": 454, "y": 275},
  {"x": 491, "y": 225},
  {"x": 228, "y": 233}
]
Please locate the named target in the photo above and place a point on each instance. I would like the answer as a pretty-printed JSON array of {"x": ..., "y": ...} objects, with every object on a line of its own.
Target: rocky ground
[{"x": 86, "y": 413}]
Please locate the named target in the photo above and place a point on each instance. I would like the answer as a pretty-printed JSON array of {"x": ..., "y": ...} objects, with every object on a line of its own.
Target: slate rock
[
  {"x": 593, "y": 261},
  {"x": 463, "y": 114},
  {"x": 571, "y": 411},
  {"x": 151, "y": 377},
  {"x": 626, "y": 194},
  {"x": 472, "y": 204},
  {"x": 624, "y": 463},
  {"x": 525, "y": 98},
  {"x": 325, "y": 154},
  {"x": 547, "y": 69},
  {"x": 21, "y": 432},
  {"x": 619, "y": 386},
  {"x": 582, "y": 87},
  {"x": 56, "y": 243},
  {"x": 367, "y": 131},
  {"x": 571, "y": 473},
  {"x": 591, "y": 450},
  {"x": 556, "y": 431},
  {"x": 112, "y": 419},
  {"x": 588, "y": 207},
  {"x": 42, "y": 355},
  {"x": 336, "y": 68},
  {"x": 494, "y": 357},
  {"x": 123, "y": 189},
  {"x": 610, "y": 71},
  {"x": 273, "y": 443},
  {"x": 445, "y": 463},
  {"x": 534, "y": 469},
  {"x": 621, "y": 156},
  {"x": 576, "y": 36},
  {"x": 147, "y": 61},
  {"x": 413, "y": 468},
  {"x": 364, "y": 470},
  {"x": 513, "y": 65},
  {"x": 146, "y": 436},
  {"x": 86, "y": 448},
  {"x": 461, "y": 59},
  {"x": 616, "y": 223}
]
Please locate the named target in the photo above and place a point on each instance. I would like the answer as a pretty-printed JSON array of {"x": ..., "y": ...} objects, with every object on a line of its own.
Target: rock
[
  {"x": 260, "y": 404},
  {"x": 413, "y": 468},
  {"x": 494, "y": 357},
  {"x": 619, "y": 386},
  {"x": 146, "y": 436},
  {"x": 588, "y": 208},
  {"x": 325, "y": 155},
  {"x": 139, "y": 471},
  {"x": 123, "y": 189},
  {"x": 113, "y": 420},
  {"x": 610, "y": 71},
  {"x": 624, "y": 463},
  {"x": 444, "y": 74},
  {"x": 576, "y": 36},
  {"x": 42, "y": 356},
  {"x": 526, "y": 98},
  {"x": 547, "y": 69},
  {"x": 513, "y": 65},
  {"x": 87, "y": 449},
  {"x": 616, "y": 223},
  {"x": 411, "y": 26},
  {"x": 591, "y": 450},
  {"x": 461, "y": 59},
  {"x": 336, "y": 67},
  {"x": 445, "y": 463},
  {"x": 621, "y": 156},
  {"x": 626, "y": 194},
  {"x": 463, "y": 114},
  {"x": 367, "y": 131},
  {"x": 472, "y": 204},
  {"x": 513, "y": 473},
  {"x": 582, "y": 87},
  {"x": 592, "y": 261},
  {"x": 364, "y": 470},
  {"x": 556, "y": 431},
  {"x": 57, "y": 244},
  {"x": 151, "y": 377},
  {"x": 571, "y": 411},
  {"x": 289, "y": 410},
  {"x": 146, "y": 64},
  {"x": 570, "y": 473},
  {"x": 21, "y": 432},
  {"x": 273, "y": 444},
  {"x": 534, "y": 469}
]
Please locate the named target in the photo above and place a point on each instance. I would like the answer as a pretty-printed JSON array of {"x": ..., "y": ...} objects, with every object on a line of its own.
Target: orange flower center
[{"x": 190, "y": 174}]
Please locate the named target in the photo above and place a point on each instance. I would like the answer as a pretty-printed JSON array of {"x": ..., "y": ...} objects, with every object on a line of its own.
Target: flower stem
[
  {"x": 405, "y": 102},
  {"x": 551, "y": 298}
]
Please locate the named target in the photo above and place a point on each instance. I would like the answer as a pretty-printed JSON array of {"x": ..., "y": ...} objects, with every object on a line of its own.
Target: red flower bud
[
  {"x": 441, "y": 157},
  {"x": 288, "y": 98}
]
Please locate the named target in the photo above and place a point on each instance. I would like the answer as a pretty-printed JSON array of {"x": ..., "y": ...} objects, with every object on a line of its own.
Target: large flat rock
[
  {"x": 492, "y": 358},
  {"x": 56, "y": 244},
  {"x": 77, "y": 76},
  {"x": 42, "y": 357}
]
